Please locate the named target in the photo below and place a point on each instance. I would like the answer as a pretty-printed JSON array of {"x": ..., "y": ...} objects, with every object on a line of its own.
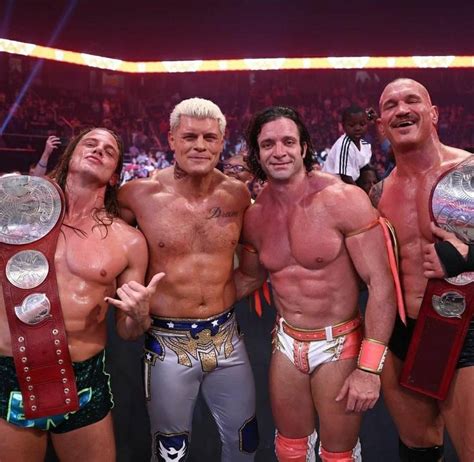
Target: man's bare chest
[
  {"x": 185, "y": 228},
  {"x": 90, "y": 258},
  {"x": 298, "y": 239}
]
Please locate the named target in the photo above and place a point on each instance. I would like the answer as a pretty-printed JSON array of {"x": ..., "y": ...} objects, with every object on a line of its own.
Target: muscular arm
[
  {"x": 369, "y": 256},
  {"x": 126, "y": 196},
  {"x": 132, "y": 317},
  {"x": 250, "y": 274}
]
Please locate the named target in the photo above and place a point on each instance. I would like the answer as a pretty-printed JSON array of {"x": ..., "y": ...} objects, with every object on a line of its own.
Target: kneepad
[
  {"x": 296, "y": 449},
  {"x": 353, "y": 455},
  {"x": 432, "y": 454}
]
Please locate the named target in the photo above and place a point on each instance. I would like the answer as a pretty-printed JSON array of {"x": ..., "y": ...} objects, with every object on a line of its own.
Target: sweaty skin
[
  {"x": 300, "y": 226},
  {"x": 191, "y": 215},
  {"x": 193, "y": 241},
  {"x": 92, "y": 263},
  {"x": 408, "y": 119},
  {"x": 421, "y": 159}
]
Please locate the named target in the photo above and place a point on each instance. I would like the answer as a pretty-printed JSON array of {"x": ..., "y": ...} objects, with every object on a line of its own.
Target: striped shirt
[{"x": 344, "y": 158}]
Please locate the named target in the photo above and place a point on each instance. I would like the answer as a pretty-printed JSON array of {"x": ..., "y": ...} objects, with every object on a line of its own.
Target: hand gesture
[
  {"x": 362, "y": 389},
  {"x": 135, "y": 298},
  {"x": 432, "y": 265},
  {"x": 51, "y": 144}
]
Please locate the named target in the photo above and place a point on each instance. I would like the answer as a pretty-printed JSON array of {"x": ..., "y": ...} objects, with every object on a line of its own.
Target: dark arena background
[{"x": 135, "y": 60}]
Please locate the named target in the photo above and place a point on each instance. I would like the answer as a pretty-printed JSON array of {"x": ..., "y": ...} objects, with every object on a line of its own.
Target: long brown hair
[{"x": 60, "y": 173}]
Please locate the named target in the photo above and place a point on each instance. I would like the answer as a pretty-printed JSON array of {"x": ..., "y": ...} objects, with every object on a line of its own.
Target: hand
[
  {"x": 51, "y": 144},
  {"x": 362, "y": 389},
  {"x": 432, "y": 265},
  {"x": 371, "y": 113},
  {"x": 135, "y": 298}
]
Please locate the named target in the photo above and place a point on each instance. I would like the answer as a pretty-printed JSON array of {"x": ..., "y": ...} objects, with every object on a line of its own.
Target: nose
[
  {"x": 279, "y": 150},
  {"x": 99, "y": 150},
  {"x": 199, "y": 145},
  {"x": 403, "y": 108}
]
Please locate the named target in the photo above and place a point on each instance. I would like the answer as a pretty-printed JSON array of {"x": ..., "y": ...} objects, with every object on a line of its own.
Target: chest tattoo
[{"x": 217, "y": 212}]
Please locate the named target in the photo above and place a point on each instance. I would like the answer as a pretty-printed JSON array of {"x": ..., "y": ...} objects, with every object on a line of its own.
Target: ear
[
  {"x": 305, "y": 150},
  {"x": 171, "y": 140},
  {"x": 114, "y": 179},
  {"x": 434, "y": 114},
  {"x": 380, "y": 128}
]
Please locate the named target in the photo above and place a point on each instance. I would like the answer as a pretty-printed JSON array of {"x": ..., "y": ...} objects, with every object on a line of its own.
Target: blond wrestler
[
  {"x": 409, "y": 120},
  {"x": 315, "y": 235},
  {"x": 97, "y": 255},
  {"x": 191, "y": 215}
]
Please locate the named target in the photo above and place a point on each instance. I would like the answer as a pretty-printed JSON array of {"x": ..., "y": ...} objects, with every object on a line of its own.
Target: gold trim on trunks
[{"x": 204, "y": 348}]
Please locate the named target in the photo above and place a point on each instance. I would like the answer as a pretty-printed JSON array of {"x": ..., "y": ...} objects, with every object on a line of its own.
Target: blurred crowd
[{"x": 142, "y": 122}]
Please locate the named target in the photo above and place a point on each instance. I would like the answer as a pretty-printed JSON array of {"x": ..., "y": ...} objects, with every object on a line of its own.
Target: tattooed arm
[{"x": 375, "y": 193}]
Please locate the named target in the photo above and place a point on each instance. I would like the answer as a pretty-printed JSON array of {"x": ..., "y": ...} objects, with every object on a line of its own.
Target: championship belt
[
  {"x": 31, "y": 214},
  {"x": 448, "y": 305}
]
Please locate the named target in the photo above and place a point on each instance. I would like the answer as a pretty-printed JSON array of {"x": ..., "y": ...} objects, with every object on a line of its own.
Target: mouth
[
  {"x": 403, "y": 123},
  {"x": 198, "y": 158},
  {"x": 94, "y": 159}
]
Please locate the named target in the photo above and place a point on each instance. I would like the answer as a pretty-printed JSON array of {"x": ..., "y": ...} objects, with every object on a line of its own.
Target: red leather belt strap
[{"x": 40, "y": 352}]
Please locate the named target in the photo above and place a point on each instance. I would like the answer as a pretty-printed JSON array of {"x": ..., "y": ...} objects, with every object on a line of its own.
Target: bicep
[
  {"x": 137, "y": 256},
  {"x": 368, "y": 253}
]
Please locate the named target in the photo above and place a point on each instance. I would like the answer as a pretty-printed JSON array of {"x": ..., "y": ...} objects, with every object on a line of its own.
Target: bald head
[
  {"x": 407, "y": 117},
  {"x": 401, "y": 84}
]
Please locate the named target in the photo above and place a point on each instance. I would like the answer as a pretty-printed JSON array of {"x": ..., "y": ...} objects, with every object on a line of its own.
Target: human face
[
  {"x": 97, "y": 154},
  {"x": 407, "y": 117},
  {"x": 197, "y": 144},
  {"x": 257, "y": 187},
  {"x": 235, "y": 167},
  {"x": 280, "y": 152},
  {"x": 355, "y": 126}
]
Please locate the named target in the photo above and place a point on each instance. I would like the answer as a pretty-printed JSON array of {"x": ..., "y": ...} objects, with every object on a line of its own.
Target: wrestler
[
  {"x": 96, "y": 253},
  {"x": 408, "y": 119},
  {"x": 316, "y": 235},
  {"x": 191, "y": 215}
]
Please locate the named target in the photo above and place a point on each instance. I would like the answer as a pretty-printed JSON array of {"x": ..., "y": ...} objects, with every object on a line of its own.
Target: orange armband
[{"x": 372, "y": 356}]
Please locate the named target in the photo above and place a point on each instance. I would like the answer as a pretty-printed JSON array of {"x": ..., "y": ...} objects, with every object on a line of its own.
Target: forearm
[
  {"x": 381, "y": 310},
  {"x": 246, "y": 284},
  {"x": 130, "y": 329},
  {"x": 40, "y": 168}
]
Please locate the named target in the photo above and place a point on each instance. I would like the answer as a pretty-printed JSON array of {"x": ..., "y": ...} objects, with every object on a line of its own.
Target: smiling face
[
  {"x": 96, "y": 155},
  {"x": 197, "y": 144},
  {"x": 407, "y": 117},
  {"x": 280, "y": 152}
]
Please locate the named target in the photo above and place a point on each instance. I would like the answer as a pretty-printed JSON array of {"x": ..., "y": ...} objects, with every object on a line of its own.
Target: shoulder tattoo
[{"x": 375, "y": 193}]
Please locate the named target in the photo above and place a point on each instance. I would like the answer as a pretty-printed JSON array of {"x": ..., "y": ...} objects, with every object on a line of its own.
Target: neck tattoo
[{"x": 179, "y": 172}]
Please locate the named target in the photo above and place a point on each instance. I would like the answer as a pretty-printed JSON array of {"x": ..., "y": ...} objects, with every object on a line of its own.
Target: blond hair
[{"x": 198, "y": 108}]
